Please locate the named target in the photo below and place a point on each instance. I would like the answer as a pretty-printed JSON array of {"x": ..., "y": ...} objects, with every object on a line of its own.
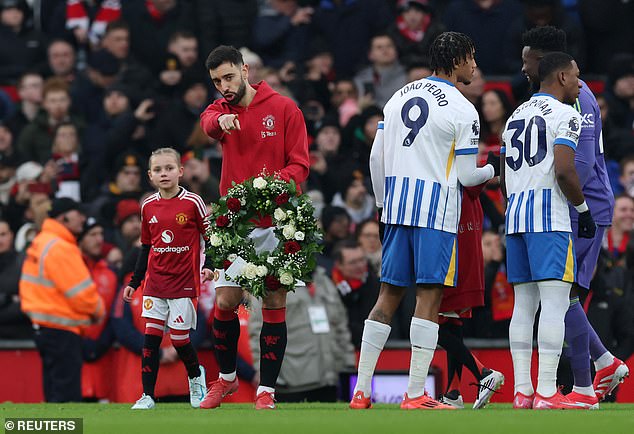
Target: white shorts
[{"x": 178, "y": 313}]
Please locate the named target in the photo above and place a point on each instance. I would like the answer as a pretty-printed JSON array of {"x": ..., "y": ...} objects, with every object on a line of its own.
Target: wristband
[{"x": 582, "y": 207}]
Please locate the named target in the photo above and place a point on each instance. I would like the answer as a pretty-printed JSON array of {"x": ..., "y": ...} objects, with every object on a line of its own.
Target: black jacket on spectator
[
  {"x": 174, "y": 127},
  {"x": 148, "y": 37},
  {"x": 17, "y": 121},
  {"x": 608, "y": 25},
  {"x": 36, "y": 139},
  {"x": 105, "y": 140},
  {"x": 19, "y": 52},
  {"x": 13, "y": 323},
  {"x": 227, "y": 22},
  {"x": 611, "y": 310},
  {"x": 277, "y": 40},
  {"x": 347, "y": 29},
  {"x": 487, "y": 28},
  {"x": 121, "y": 138}
]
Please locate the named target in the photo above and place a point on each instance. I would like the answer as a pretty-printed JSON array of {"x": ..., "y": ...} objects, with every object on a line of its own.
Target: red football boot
[
  {"x": 217, "y": 391},
  {"x": 606, "y": 379},
  {"x": 265, "y": 401},
  {"x": 360, "y": 402}
]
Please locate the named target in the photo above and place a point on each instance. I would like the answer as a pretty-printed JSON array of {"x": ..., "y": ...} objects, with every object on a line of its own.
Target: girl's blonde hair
[{"x": 162, "y": 151}]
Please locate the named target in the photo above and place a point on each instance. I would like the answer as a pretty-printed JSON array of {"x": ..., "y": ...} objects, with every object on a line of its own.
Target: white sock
[
  {"x": 547, "y": 373},
  {"x": 228, "y": 377},
  {"x": 372, "y": 342},
  {"x": 423, "y": 335},
  {"x": 586, "y": 390},
  {"x": 521, "y": 335},
  {"x": 264, "y": 389},
  {"x": 604, "y": 361},
  {"x": 554, "y": 295},
  {"x": 522, "y": 372}
]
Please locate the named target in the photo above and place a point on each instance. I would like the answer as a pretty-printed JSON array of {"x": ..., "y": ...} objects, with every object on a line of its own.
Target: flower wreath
[{"x": 232, "y": 219}]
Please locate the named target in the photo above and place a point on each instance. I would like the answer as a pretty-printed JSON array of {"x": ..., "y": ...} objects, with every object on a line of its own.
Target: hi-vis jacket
[{"x": 56, "y": 289}]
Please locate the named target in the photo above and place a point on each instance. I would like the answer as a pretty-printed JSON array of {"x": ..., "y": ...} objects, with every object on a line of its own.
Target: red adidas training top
[
  {"x": 272, "y": 135},
  {"x": 470, "y": 289}
]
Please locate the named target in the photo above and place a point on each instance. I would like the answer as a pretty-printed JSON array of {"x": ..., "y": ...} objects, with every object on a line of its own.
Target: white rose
[
  {"x": 262, "y": 271},
  {"x": 250, "y": 271},
  {"x": 288, "y": 232},
  {"x": 299, "y": 236},
  {"x": 271, "y": 259},
  {"x": 215, "y": 240},
  {"x": 286, "y": 278},
  {"x": 232, "y": 257},
  {"x": 259, "y": 183},
  {"x": 279, "y": 214}
]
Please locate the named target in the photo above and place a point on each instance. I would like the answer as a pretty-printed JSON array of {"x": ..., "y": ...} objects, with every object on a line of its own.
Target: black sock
[
  {"x": 226, "y": 334},
  {"x": 450, "y": 338},
  {"x": 272, "y": 348},
  {"x": 454, "y": 369},
  {"x": 188, "y": 355},
  {"x": 150, "y": 363}
]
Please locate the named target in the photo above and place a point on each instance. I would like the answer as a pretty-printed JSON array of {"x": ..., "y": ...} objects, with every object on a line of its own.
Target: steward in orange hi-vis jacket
[{"x": 61, "y": 299}]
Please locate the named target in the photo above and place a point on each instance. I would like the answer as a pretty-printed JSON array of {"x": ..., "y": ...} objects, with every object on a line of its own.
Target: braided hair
[{"x": 448, "y": 50}]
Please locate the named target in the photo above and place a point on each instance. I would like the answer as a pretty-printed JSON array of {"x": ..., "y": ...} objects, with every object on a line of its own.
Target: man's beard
[{"x": 239, "y": 94}]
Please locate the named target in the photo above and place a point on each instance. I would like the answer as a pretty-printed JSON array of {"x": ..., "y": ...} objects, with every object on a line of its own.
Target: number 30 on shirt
[{"x": 524, "y": 147}]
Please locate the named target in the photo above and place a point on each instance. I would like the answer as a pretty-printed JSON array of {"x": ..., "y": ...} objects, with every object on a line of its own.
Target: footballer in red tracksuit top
[
  {"x": 258, "y": 129},
  {"x": 469, "y": 292},
  {"x": 272, "y": 135}
]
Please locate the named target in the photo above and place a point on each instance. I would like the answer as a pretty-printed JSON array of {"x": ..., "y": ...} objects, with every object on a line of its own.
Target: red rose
[
  {"x": 222, "y": 221},
  {"x": 272, "y": 283},
  {"x": 291, "y": 247},
  {"x": 281, "y": 199},
  {"x": 233, "y": 204},
  {"x": 226, "y": 264}
]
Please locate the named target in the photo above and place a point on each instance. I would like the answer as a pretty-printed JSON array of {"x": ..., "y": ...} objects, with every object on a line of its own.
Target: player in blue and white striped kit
[
  {"x": 427, "y": 151},
  {"x": 540, "y": 139},
  {"x": 581, "y": 340}
]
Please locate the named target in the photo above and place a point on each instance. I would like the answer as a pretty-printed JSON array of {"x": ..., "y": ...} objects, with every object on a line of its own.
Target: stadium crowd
[{"x": 88, "y": 89}]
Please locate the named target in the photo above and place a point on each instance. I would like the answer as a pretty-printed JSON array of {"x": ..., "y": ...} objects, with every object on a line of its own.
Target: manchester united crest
[
  {"x": 148, "y": 303},
  {"x": 181, "y": 218},
  {"x": 268, "y": 122}
]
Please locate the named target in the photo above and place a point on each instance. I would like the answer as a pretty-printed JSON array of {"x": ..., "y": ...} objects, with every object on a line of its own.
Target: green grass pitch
[{"x": 169, "y": 418}]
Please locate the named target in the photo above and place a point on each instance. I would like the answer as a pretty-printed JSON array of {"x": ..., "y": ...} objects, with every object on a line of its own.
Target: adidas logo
[
  {"x": 179, "y": 320},
  {"x": 153, "y": 219},
  {"x": 269, "y": 356}
]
